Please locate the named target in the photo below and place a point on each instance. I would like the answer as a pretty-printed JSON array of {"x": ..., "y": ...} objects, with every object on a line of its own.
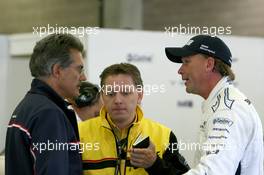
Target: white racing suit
[{"x": 231, "y": 136}]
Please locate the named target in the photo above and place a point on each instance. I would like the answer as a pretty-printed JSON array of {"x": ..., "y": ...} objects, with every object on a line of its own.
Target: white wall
[
  {"x": 3, "y": 96},
  {"x": 146, "y": 50}
]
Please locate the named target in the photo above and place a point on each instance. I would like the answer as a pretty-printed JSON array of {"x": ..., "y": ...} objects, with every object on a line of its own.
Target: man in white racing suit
[{"x": 231, "y": 134}]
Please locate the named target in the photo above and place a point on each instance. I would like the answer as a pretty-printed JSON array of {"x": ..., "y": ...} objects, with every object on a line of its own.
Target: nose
[
  {"x": 180, "y": 71},
  {"x": 118, "y": 98},
  {"x": 83, "y": 77}
]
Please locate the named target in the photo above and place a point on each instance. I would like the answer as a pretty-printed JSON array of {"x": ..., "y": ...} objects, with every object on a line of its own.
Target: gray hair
[{"x": 51, "y": 50}]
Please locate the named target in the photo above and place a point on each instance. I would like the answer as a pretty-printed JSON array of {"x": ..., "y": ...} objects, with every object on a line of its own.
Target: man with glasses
[{"x": 42, "y": 135}]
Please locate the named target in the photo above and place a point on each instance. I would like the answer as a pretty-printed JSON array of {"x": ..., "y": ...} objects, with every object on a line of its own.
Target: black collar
[{"x": 42, "y": 88}]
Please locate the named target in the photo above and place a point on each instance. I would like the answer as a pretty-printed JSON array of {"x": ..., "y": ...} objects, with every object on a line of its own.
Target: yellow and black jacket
[{"x": 106, "y": 154}]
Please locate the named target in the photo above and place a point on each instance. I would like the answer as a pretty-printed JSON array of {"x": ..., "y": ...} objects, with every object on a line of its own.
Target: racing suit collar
[
  {"x": 218, "y": 87},
  {"x": 103, "y": 115}
]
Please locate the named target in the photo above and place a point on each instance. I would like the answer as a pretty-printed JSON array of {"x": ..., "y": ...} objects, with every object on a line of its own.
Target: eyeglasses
[{"x": 79, "y": 68}]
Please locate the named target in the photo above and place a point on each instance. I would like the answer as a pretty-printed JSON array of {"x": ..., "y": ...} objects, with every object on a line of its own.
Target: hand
[{"x": 143, "y": 157}]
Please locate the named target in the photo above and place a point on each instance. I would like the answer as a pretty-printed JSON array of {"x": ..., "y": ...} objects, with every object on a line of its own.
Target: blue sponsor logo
[{"x": 223, "y": 121}]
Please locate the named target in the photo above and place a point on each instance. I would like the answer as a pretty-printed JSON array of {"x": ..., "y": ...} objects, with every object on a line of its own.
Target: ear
[
  {"x": 101, "y": 97},
  {"x": 140, "y": 97},
  {"x": 56, "y": 70},
  {"x": 210, "y": 64}
]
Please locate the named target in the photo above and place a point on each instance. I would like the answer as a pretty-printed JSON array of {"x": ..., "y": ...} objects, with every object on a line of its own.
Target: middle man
[{"x": 107, "y": 141}]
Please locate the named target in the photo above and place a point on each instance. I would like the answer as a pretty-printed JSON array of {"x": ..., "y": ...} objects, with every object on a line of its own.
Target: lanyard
[{"x": 121, "y": 153}]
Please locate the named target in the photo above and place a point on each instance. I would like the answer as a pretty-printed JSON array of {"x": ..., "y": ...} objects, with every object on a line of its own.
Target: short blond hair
[{"x": 222, "y": 68}]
